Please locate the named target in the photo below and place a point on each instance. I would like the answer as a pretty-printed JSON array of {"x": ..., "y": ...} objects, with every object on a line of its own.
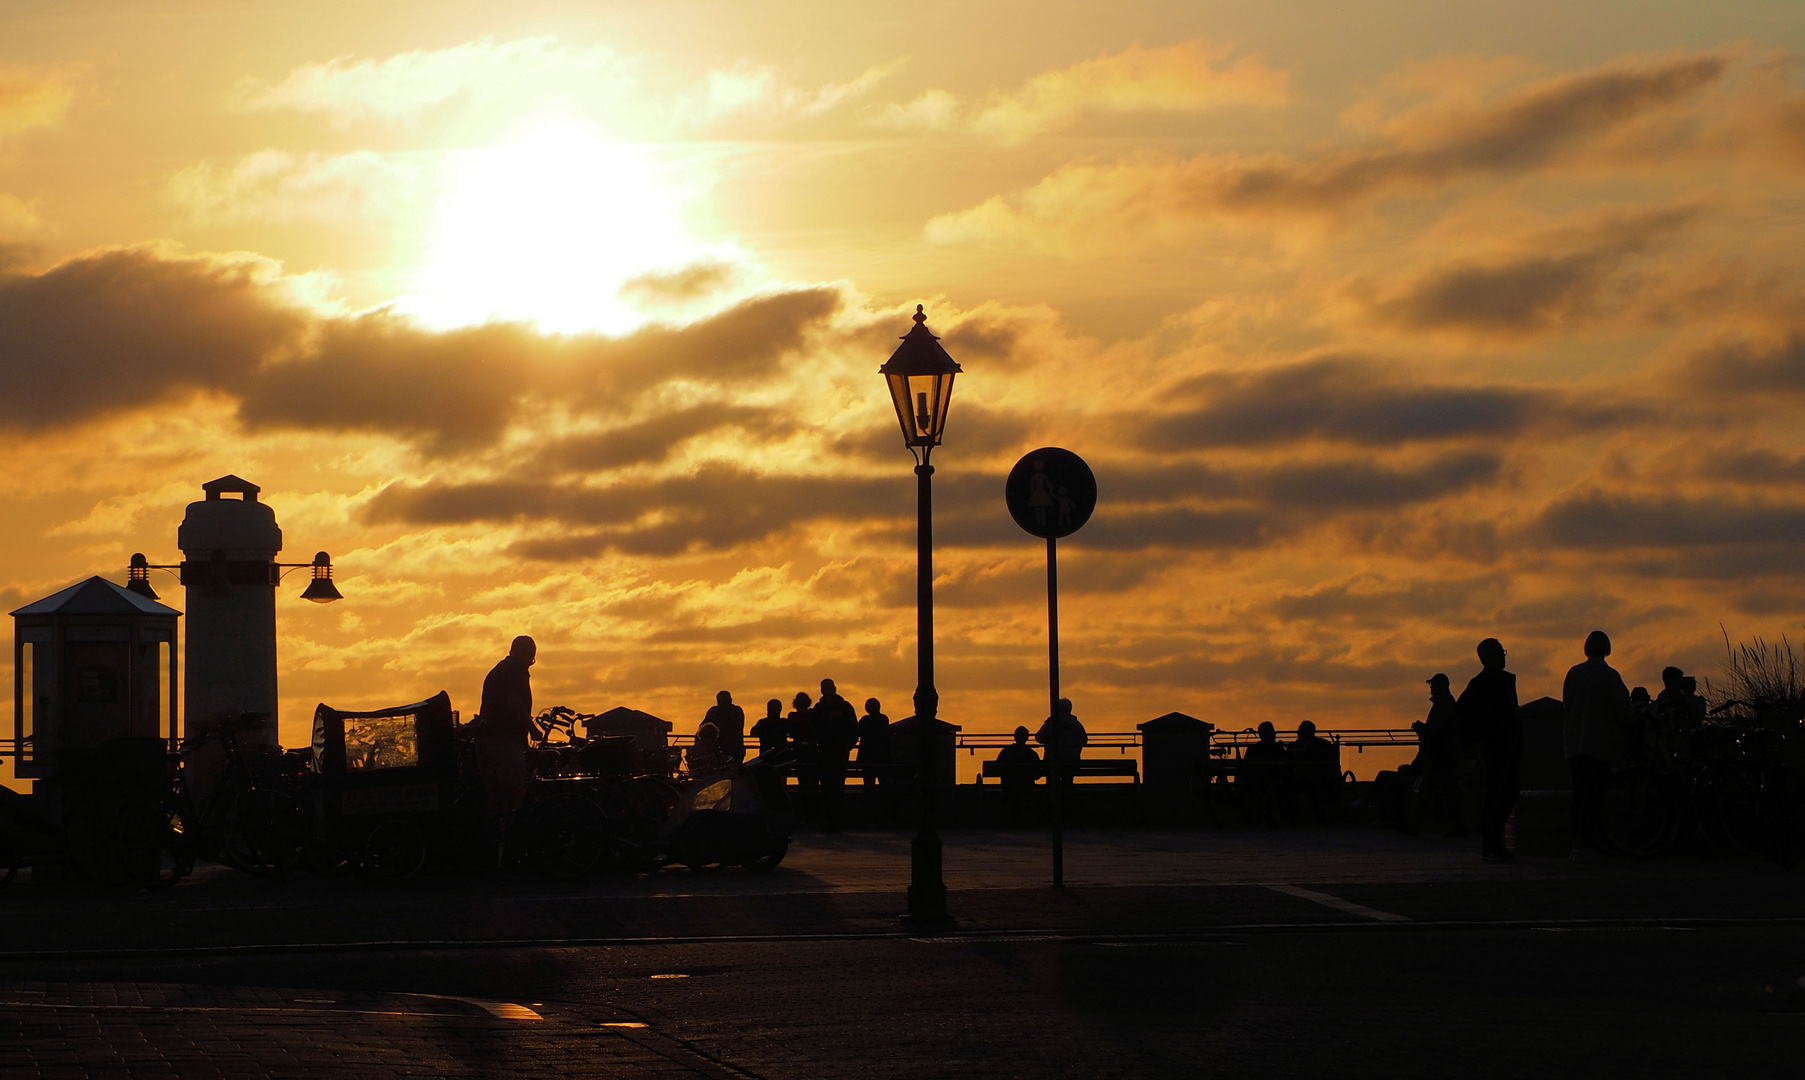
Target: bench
[{"x": 1116, "y": 766}]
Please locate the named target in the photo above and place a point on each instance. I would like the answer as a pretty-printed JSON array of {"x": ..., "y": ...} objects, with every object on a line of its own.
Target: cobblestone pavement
[
  {"x": 1347, "y": 952},
  {"x": 1482, "y": 1004}
]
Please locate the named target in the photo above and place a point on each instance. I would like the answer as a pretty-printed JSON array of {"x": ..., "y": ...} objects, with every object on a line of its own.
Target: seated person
[
  {"x": 1259, "y": 775},
  {"x": 1018, "y": 767},
  {"x": 1319, "y": 770},
  {"x": 773, "y": 733},
  {"x": 706, "y": 756}
]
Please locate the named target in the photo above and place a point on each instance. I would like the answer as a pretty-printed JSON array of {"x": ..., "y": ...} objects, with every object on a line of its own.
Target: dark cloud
[
  {"x": 652, "y": 439},
  {"x": 989, "y": 337},
  {"x": 721, "y": 506},
  {"x": 126, "y": 328},
  {"x": 1384, "y": 603},
  {"x": 1532, "y": 293},
  {"x": 1755, "y": 467},
  {"x": 1182, "y": 527},
  {"x": 452, "y": 389},
  {"x": 973, "y": 431},
  {"x": 460, "y": 388},
  {"x": 716, "y": 507},
  {"x": 1368, "y": 485},
  {"x": 683, "y": 285},
  {"x": 1524, "y": 131},
  {"x": 1599, "y": 520},
  {"x": 131, "y": 327},
  {"x": 1341, "y": 399},
  {"x": 743, "y": 343},
  {"x": 1742, "y": 366}
]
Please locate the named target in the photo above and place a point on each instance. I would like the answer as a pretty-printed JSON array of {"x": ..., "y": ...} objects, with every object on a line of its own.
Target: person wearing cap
[
  {"x": 1438, "y": 759},
  {"x": 1488, "y": 709},
  {"x": 1597, "y": 708}
]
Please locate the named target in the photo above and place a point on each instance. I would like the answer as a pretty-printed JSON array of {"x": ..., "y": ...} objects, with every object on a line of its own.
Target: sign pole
[
  {"x": 1051, "y": 493},
  {"x": 1055, "y": 765}
]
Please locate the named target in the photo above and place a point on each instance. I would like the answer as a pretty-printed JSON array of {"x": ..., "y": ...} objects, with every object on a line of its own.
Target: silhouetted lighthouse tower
[
  {"x": 231, "y": 573},
  {"x": 229, "y": 548}
]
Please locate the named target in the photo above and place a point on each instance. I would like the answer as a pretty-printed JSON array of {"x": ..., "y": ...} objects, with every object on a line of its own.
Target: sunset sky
[{"x": 1385, "y": 327}]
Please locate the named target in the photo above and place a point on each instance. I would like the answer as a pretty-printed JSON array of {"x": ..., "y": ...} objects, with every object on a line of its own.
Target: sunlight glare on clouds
[{"x": 546, "y": 229}]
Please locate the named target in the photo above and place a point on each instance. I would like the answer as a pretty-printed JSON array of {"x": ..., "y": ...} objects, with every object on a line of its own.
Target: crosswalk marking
[{"x": 1339, "y": 904}]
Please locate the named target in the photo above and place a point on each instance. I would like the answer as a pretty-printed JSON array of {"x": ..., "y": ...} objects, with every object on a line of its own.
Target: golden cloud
[
  {"x": 1538, "y": 126},
  {"x": 1190, "y": 77},
  {"x": 30, "y": 99}
]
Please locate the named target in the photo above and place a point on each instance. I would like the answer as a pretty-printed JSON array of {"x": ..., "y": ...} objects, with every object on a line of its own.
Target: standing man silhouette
[
  {"x": 1597, "y": 708},
  {"x": 834, "y": 729},
  {"x": 730, "y": 720},
  {"x": 1488, "y": 708},
  {"x": 1065, "y": 739},
  {"x": 507, "y": 717}
]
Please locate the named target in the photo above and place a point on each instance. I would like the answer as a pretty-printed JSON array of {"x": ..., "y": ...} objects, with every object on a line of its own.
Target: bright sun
[{"x": 547, "y": 229}]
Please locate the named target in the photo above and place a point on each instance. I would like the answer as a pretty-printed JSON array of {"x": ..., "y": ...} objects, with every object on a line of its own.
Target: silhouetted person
[
  {"x": 1438, "y": 760},
  {"x": 808, "y": 776},
  {"x": 1018, "y": 767},
  {"x": 706, "y": 756},
  {"x": 773, "y": 734},
  {"x": 1065, "y": 740},
  {"x": 507, "y": 721},
  {"x": 1488, "y": 708},
  {"x": 1258, "y": 776},
  {"x": 1318, "y": 764},
  {"x": 834, "y": 731},
  {"x": 730, "y": 720},
  {"x": 1677, "y": 709},
  {"x": 1597, "y": 708},
  {"x": 875, "y": 758}
]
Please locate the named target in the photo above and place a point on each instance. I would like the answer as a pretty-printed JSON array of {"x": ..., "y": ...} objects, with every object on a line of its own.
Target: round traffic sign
[{"x": 1051, "y": 492}]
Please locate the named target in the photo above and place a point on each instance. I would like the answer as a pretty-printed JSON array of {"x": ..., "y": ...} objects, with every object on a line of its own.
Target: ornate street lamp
[{"x": 920, "y": 377}]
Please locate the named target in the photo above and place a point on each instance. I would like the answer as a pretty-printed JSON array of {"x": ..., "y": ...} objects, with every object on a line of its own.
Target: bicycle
[{"x": 244, "y": 823}]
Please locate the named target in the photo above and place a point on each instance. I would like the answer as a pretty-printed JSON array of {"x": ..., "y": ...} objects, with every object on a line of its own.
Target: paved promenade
[{"x": 1355, "y": 951}]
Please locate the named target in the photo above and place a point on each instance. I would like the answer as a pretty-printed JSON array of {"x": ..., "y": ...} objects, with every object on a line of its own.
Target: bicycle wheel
[
  {"x": 262, "y": 833},
  {"x": 569, "y": 838},
  {"x": 767, "y": 862},
  {"x": 1733, "y": 818},
  {"x": 324, "y": 856},
  {"x": 393, "y": 851},
  {"x": 1639, "y": 815}
]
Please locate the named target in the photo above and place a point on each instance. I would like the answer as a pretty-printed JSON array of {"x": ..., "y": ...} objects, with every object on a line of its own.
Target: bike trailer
[{"x": 387, "y": 762}]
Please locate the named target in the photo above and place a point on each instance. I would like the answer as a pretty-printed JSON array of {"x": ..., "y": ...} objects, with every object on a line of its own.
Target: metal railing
[
  {"x": 1120, "y": 741},
  {"x": 1123, "y": 741},
  {"x": 1358, "y": 738}
]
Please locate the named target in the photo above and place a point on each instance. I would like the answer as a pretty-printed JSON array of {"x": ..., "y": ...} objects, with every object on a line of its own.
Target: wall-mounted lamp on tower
[
  {"x": 137, "y": 576},
  {"x": 321, "y": 590}
]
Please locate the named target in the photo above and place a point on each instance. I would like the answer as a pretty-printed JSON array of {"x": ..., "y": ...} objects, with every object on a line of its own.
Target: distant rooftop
[
  {"x": 95, "y": 596},
  {"x": 236, "y": 485}
]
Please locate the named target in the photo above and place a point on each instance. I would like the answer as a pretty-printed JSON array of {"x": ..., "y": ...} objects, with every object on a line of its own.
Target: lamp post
[{"x": 920, "y": 376}]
